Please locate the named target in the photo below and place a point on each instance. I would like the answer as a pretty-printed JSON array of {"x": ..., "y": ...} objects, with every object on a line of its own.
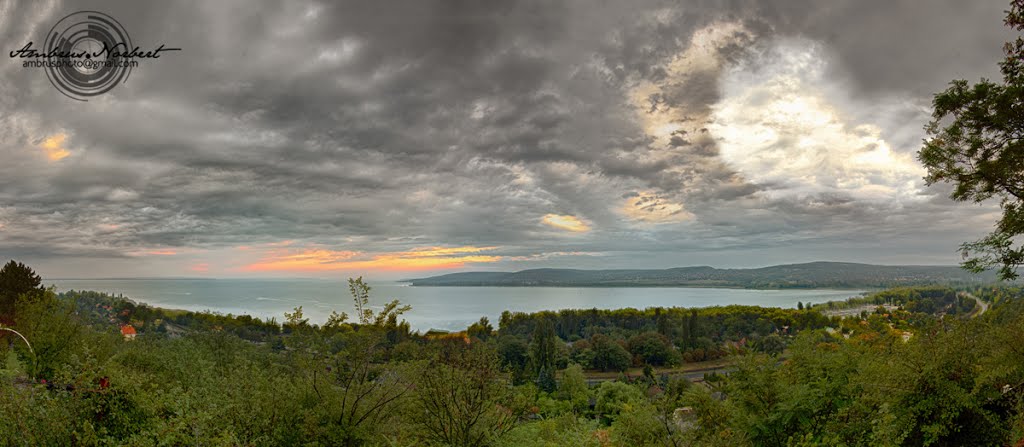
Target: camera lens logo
[{"x": 85, "y": 54}]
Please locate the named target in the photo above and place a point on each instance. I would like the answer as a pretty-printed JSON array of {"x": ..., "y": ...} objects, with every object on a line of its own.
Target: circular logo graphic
[{"x": 88, "y": 58}]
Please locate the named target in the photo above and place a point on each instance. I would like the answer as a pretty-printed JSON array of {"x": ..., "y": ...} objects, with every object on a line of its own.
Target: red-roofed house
[{"x": 128, "y": 331}]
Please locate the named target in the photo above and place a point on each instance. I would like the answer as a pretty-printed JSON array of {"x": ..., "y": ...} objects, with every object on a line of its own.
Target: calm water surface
[{"x": 450, "y": 308}]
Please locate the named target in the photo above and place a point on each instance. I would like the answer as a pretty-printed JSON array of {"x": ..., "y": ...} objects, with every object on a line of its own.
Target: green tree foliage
[
  {"x": 565, "y": 430},
  {"x": 361, "y": 296},
  {"x": 694, "y": 335},
  {"x": 16, "y": 279},
  {"x": 932, "y": 387},
  {"x": 612, "y": 398},
  {"x": 573, "y": 388},
  {"x": 954, "y": 382},
  {"x": 889, "y": 377},
  {"x": 654, "y": 421},
  {"x": 772, "y": 344},
  {"x": 51, "y": 328},
  {"x": 543, "y": 353},
  {"x": 638, "y": 424},
  {"x": 462, "y": 399},
  {"x": 708, "y": 420},
  {"x": 975, "y": 142},
  {"x": 608, "y": 354},
  {"x": 684, "y": 327},
  {"x": 364, "y": 392},
  {"x": 347, "y": 382},
  {"x": 652, "y": 348},
  {"x": 481, "y": 330},
  {"x": 514, "y": 353}
]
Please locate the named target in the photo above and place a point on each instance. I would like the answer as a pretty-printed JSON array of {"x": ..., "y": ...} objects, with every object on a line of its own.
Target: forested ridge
[
  {"x": 922, "y": 367},
  {"x": 792, "y": 276}
]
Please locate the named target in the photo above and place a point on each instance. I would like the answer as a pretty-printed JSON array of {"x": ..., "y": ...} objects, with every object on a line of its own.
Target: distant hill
[{"x": 809, "y": 275}]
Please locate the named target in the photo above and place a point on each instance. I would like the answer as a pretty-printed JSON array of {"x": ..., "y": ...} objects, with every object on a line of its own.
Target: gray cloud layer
[{"x": 384, "y": 126}]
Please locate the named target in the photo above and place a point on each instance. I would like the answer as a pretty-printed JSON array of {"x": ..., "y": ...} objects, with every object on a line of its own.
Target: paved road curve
[{"x": 983, "y": 305}]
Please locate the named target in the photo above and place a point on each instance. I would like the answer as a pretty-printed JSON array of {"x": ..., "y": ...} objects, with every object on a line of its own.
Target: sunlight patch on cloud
[
  {"x": 446, "y": 251},
  {"x": 703, "y": 55},
  {"x": 122, "y": 195},
  {"x": 321, "y": 259},
  {"x": 554, "y": 255},
  {"x": 565, "y": 222},
  {"x": 53, "y": 146},
  {"x": 650, "y": 208},
  {"x": 784, "y": 123}
]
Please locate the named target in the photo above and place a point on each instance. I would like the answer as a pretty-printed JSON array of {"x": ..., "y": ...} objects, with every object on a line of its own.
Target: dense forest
[
  {"x": 925, "y": 366},
  {"x": 792, "y": 276}
]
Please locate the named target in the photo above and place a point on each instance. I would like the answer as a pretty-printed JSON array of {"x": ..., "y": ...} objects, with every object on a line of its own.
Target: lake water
[{"x": 449, "y": 308}]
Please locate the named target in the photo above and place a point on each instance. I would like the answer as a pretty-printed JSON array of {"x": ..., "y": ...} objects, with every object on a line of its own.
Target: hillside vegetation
[{"x": 923, "y": 368}]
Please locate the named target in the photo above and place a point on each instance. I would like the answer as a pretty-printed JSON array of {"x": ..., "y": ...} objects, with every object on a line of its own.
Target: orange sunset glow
[
  {"x": 565, "y": 222},
  {"x": 417, "y": 259},
  {"x": 201, "y": 267},
  {"x": 54, "y": 147}
]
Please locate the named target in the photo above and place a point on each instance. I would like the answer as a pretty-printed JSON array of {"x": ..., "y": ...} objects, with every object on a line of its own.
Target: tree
[
  {"x": 365, "y": 392},
  {"x": 16, "y": 279},
  {"x": 772, "y": 344},
  {"x": 50, "y": 325},
  {"x": 543, "y": 350},
  {"x": 514, "y": 354},
  {"x": 573, "y": 388},
  {"x": 349, "y": 385},
  {"x": 975, "y": 142},
  {"x": 653, "y": 348},
  {"x": 638, "y": 424},
  {"x": 295, "y": 321},
  {"x": 611, "y": 398},
  {"x": 608, "y": 355},
  {"x": 481, "y": 329},
  {"x": 653, "y": 421},
  {"x": 463, "y": 398},
  {"x": 361, "y": 295}
]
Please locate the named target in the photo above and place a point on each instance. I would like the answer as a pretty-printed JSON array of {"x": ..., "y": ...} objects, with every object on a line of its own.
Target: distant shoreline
[
  {"x": 812, "y": 275},
  {"x": 646, "y": 286}
]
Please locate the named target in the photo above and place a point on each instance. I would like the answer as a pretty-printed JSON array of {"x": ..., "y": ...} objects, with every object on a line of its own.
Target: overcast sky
[{"x": 402, "y": 138}]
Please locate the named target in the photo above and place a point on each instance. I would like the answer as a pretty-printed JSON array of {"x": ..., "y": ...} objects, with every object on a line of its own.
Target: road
[
  {"x": 855, "y": 311},
  {"x": 983, "y": 305},
  {"x": 693, "y": 372}
]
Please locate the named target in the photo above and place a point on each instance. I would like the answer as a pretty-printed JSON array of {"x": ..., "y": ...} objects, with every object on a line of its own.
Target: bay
[{"x": 446, "y": 308}]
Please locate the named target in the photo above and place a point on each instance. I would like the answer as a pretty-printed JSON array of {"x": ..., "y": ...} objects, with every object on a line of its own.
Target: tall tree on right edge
[{"x": 975, "y": 143}]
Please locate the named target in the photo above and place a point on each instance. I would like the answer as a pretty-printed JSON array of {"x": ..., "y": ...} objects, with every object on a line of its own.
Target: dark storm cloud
[
  {"x": 386, "y": 125},
  {"x": 904, "y": 45}
]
